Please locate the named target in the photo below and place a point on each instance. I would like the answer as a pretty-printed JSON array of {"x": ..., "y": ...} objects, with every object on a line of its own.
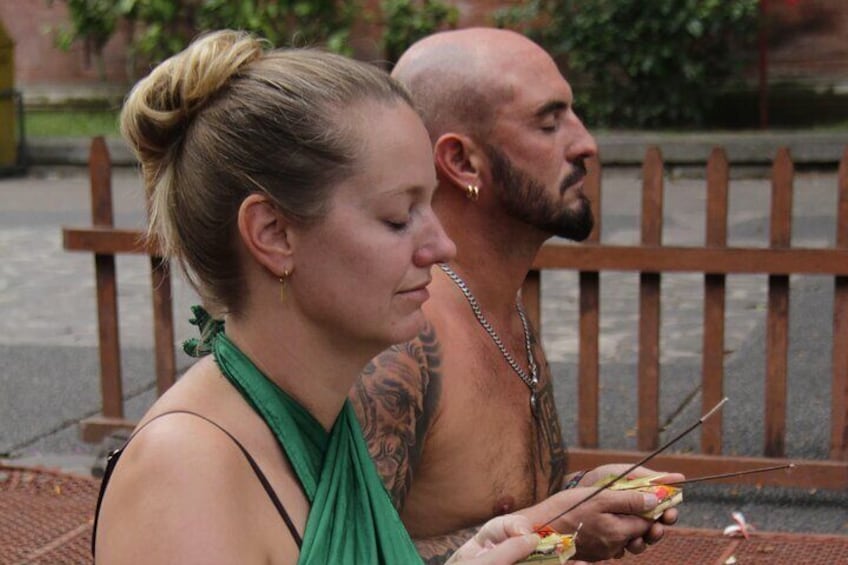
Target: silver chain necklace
[{"x": 531, "y": 380}]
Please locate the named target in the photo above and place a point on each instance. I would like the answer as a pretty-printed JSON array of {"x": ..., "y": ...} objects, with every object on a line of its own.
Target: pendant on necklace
[{"x": 534, "y": 404}]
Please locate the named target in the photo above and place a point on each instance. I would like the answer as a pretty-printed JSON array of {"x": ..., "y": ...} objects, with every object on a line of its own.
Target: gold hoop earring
[
  {"x": 472, "y": 192},
  {"x": 283, "y": 278}
]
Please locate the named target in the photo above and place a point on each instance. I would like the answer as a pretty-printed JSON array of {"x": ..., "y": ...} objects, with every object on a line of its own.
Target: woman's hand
[{"x": 501, "y": 541}]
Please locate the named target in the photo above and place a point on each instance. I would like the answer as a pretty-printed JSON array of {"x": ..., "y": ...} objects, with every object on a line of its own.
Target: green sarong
[{"x": 351, "y": 519}]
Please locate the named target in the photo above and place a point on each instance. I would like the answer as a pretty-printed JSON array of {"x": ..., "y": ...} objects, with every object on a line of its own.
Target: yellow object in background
[{"x": 8, "y": 118}]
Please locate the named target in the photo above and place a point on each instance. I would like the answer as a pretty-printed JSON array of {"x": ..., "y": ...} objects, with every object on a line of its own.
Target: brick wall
[
  {"x": 808, "y": 43},
  {"x": 41, "y": 68}
]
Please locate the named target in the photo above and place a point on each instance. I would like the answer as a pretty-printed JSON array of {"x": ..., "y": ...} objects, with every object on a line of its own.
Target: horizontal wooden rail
[
  {"x": 807, "y": 474},
  {"x": 722, "y": 260},
  {"x": 106, "y": 240}
]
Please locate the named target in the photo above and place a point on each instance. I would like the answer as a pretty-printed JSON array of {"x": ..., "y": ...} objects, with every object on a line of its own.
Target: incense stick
[
  {"x": 642, "y": 461},
  {"x": 719, "y": 476}
]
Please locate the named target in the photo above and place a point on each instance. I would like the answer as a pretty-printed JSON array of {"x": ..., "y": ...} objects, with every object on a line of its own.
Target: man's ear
[
  {"x": 264, "y": 231},
  {"x": 458, "y": 159}
]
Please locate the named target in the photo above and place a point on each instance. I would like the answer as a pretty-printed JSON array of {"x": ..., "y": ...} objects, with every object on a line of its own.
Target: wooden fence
[
  {"x": 715, "y": 260},
  {"x": 651, "y": 259},
  {"x": 106, "y": 241}
]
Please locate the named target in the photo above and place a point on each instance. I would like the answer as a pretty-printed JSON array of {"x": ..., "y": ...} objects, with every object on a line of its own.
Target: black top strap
[{"x": 113, "y": 457}]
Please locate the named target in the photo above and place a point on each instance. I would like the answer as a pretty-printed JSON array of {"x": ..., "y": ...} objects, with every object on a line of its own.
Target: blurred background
[{"x": 65, "y": 65}]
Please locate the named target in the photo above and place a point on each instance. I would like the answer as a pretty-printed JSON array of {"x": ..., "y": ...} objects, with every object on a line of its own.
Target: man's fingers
[
  {"x": 669, "y": 517},
  {"x": 654, "y": 534},
  {"x": 636, "y": 546},
  {"x": 629, "y": 502}
]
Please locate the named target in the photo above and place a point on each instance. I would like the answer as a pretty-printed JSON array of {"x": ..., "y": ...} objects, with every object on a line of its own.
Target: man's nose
[{"x": 582, "y": 144}]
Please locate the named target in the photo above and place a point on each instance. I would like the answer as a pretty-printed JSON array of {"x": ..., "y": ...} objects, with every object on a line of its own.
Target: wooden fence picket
[
  {"x": 839, "y": 392},
  {"x": 588, "y": 373},
  {"x": 712, "y": 356},
  {"x": 111, "y": 388},
  {"x": 777, "y": 325},
  {"x": 649, "y": 304}
]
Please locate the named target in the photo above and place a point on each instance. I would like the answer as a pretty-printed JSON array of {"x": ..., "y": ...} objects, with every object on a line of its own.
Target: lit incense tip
[{"x": 713, "y": 410}]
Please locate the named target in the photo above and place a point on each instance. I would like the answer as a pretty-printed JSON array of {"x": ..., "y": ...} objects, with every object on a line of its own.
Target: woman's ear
[
  {"x": 458, "y": 159},
  {"x": 264, "y": 231}
]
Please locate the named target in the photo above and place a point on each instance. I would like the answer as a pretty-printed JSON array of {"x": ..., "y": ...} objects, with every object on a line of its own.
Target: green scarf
[{"x": 351, "y": 517}]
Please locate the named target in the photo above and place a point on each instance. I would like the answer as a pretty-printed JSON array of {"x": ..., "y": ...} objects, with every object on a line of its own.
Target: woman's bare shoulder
[{"x": 183, "y": 487}]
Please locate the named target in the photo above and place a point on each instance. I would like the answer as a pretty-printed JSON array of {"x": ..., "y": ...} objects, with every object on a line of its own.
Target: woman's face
[{"x": 362, "y": 271}]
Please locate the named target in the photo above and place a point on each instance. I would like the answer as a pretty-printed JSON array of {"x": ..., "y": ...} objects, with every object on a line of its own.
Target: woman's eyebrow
[{"x": 412, "y": 190}]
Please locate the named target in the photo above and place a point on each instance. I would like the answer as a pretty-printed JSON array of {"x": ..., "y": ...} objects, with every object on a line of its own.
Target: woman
[{"x": 294, "y": 188}]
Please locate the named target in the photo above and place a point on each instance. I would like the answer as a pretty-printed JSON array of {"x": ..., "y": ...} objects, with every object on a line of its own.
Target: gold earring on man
[
  {"x": 472, "y": 192},
  {"x": 283, "y": 278}
]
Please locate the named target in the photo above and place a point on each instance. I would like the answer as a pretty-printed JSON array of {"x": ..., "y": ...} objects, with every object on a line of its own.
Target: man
[{"x": 461, "y": 421}]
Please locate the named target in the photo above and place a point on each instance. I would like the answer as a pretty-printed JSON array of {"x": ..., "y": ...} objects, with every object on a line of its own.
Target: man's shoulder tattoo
[{"x": 395, "y": 399}]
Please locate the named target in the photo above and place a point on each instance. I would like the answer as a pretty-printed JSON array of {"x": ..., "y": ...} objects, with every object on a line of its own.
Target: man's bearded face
[{"x": 530, "y": 201}]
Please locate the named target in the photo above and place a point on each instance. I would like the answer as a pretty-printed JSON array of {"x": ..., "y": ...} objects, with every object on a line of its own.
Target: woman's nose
[{"x": 437, "y": 247}]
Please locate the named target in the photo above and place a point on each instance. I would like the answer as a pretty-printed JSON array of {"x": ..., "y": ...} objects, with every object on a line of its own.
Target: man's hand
[
  {"x": 610, "y": 521},
  {"x": 668, "y": 518}
]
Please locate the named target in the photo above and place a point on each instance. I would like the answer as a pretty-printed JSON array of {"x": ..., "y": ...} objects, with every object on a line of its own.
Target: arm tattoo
[
  {"x": 437, "y": 550},
  {"x": 395, "y": 399}
]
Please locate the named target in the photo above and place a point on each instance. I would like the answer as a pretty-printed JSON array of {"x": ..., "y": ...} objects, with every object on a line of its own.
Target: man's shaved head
[
  {"x": 506, "y": 95},
  {"x": 459, "y": 78}
]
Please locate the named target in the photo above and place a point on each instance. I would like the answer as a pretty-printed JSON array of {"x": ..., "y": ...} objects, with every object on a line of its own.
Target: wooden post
[
  {"x": 649, "y": 304},
  {"x": 712, "y": 374},
  {"x": 111, "y": 389},
  {"x": 777, "y": 326},
  {"x": 588, "y": 373},
  {"x": 163, "y": 324},
  {"x": 531, "y": 297},
  {"x": 839, "y": 393}
]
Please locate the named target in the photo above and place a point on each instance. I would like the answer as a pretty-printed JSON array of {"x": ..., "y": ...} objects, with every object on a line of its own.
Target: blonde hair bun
[{"x": 161, "y": 106}]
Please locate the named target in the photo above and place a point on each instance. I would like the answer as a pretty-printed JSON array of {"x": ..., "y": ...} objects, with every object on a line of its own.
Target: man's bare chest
[{"x": 488, "y": 424}]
